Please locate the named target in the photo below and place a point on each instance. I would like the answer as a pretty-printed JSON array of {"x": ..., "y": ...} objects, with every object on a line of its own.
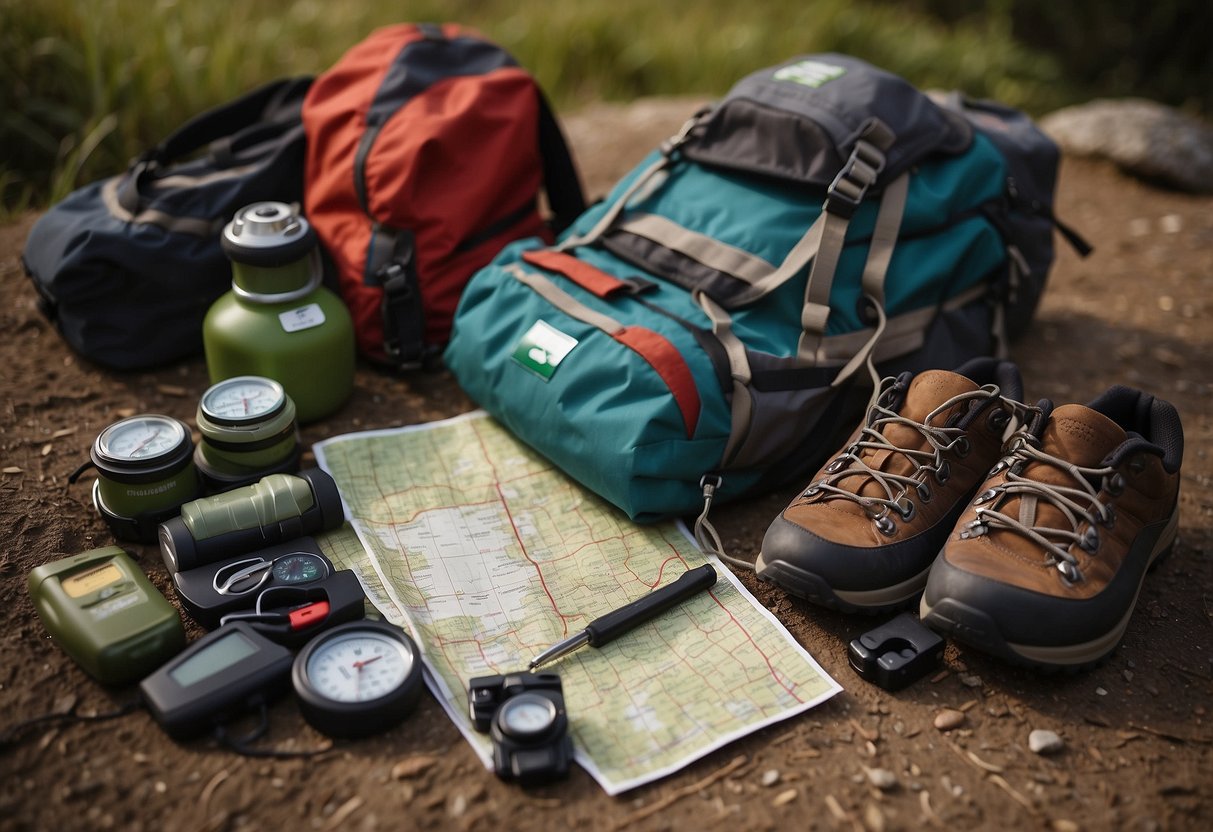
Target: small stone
[
  {"x": 1139, "y": 227},
  {"x": 947, "y": 719},
  {"x": 1171, "y": 224},
  {"x": 873, "y": 818},
  {"x": 770, "y": 777},
  {"x": 784, "y": 797},
  {"x": 64, "y": 704},
  {"x": 1166, "y": 303},
  {"x": 1101, "y": 692},
  {"x": 1063, "y": 825},
  {"x": 412, "y": 766},
  {"x": 970, "y": 680},
  {"x": 1044, "y": 741},
  {"x": 881, "y": 778},
  {"x": 1128, "y": 674}
]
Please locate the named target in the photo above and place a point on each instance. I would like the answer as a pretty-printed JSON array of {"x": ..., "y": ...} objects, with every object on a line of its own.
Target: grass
[{"x": 87, "y": 84}]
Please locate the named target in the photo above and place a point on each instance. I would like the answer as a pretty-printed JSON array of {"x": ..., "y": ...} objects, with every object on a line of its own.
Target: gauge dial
[
  {"x": 357, "y": 679},
  {"x": 359, "y": 667},
  {"x": 299, "y": 568},
  {"x": 527, "y": 715},
  {"x": 141, "y": 438},
  {"x": 244, "y": 398}
]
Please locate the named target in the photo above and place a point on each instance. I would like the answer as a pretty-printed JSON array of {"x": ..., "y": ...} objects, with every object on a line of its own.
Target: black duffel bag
[{"x": 127, "y": 267}]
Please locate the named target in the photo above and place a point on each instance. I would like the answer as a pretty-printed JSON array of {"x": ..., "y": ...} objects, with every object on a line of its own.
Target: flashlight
[{"x": 275, "y": 509}]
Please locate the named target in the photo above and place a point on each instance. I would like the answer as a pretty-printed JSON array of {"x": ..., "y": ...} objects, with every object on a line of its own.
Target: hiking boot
[
  {"x": 1045, "y": 566},
  {"x": 861, "y": 537}
]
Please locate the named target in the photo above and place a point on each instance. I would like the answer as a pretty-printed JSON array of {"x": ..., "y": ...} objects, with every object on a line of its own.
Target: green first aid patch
[
  {"x": 542, "y": 349},
  {"x": 810, "y": 73}
]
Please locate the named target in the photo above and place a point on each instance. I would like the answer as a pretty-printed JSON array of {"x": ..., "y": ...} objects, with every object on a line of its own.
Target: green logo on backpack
[
  {"x": 542, "y": 349},
  {"x": 809, "y": 73}
]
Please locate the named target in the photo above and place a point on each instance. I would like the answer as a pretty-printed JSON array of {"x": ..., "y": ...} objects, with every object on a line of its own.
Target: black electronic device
[
  {"x": 357, "y": 679},
  {"x": 225, "y": 673},
  {"x": 896, "y": 653},
  {"x": 292, "y": 615},
  {"x": 525, "y": 718},
  {"x": 213, "y": 590}
]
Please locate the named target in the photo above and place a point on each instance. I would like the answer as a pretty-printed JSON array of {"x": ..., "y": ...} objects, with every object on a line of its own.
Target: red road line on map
[{"x": 564, "y": 624}]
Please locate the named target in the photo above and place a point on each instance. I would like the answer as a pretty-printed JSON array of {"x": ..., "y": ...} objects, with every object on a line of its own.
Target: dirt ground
[{"x": 1137, "y": 732}]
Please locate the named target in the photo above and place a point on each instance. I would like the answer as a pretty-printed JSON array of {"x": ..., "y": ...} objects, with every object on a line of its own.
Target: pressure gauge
[
  {"x": 146, "y": 471},
  {"x": 243, "y": 400},
  {"x": 357, "y": 679},
  {"x": 248, "y": 431}
]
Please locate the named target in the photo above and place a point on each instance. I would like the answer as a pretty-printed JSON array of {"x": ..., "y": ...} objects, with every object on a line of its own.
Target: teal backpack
[{"x": 702, "y": 333}]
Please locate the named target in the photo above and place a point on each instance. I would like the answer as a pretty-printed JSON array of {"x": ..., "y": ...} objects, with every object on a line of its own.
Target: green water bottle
[{"x": 278, "y": 320}]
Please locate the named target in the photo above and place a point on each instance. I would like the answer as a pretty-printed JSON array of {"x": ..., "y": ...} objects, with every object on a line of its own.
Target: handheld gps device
[
  {"x": 105, "y": 614},
  {"x": 225, "y": 673}
]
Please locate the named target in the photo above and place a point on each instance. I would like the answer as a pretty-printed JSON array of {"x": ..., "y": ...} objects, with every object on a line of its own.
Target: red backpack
[{"x": 427, "y": 148}]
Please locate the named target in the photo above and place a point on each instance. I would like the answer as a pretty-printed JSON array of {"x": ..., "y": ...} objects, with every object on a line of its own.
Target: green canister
[{"x": 278, "y": 320}]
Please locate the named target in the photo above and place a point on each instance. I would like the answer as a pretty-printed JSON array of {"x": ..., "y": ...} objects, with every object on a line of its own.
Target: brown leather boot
[
  {"x": 1044, "y": 567},
  {"x": 861, "y": 537}
]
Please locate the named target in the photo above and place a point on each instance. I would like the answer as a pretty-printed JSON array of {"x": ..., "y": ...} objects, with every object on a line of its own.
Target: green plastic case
[{"x": 106, "y": 614}]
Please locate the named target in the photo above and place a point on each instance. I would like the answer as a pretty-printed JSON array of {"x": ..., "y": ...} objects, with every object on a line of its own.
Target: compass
[
  {"x": 357, "y": 679},
  {"x": 248, "y": 430},
  {"x": 146, "y": 471},
  {"x": 299, "y": 568}
]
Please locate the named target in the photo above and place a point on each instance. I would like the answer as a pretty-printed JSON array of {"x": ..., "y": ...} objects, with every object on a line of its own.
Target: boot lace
[
  {"x": 928, "y": 460},
  {"x": 1079, "y": 503}
]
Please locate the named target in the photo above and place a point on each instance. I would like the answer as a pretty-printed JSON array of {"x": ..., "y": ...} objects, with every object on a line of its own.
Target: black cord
[
  {"x": 11, "y": 738},
  {"x": 241, "y": 744}
]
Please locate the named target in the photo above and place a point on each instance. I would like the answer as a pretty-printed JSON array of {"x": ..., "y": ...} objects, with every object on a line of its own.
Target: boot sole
[
  {"x": 974, "y": 627},
  {"x": 811, "y": 587}
]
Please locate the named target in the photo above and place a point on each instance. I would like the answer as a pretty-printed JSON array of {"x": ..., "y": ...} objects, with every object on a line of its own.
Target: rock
[
  {"x": 784, "y": 797},
  {"x": 970, "y": 680},
  {"x": 881, "y": 778},
  {"x": 1044, "y": 741},
  {"x": 770, "y": 777},
  {"x": 1144, "y": 138},
  {"x": 947, "y": 719},
  {"x": 412, "y": 766}
]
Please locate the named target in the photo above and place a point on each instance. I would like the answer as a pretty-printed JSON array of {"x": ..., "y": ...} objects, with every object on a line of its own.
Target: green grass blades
[{"x": 87, "y": 84}]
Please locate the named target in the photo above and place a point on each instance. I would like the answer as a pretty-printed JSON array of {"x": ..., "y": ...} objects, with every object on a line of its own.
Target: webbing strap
[
  {"x": 842, "y": 199},
  {"x": 701, "y": 248},
  {"x": 884, "y": 236},
  {"x": 739, "y": 369},
  {"x": 880, "y": 254},
  {"x": 565, "y": 302},
  {"x": 608, "y": 219},
  {"x": 669, "y": 149},
  {"x": 196, "y": 226}
]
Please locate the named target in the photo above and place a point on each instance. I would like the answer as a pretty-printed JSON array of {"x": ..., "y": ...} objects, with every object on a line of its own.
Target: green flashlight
[{"x": 276, "y": 508}]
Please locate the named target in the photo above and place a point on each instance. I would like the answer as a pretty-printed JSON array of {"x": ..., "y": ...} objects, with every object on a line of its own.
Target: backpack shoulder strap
[{"x": 559, "y": 173}]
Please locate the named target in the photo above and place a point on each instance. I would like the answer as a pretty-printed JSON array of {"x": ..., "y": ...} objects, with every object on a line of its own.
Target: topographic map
[{"x": 488, "y": 555}]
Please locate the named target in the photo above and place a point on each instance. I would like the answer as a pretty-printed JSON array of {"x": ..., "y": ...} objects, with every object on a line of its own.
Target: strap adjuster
[{"x": 854, "y": 179}]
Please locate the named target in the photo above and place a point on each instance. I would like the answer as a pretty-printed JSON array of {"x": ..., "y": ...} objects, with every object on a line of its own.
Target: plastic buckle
[
  {"x": 897, "y": 653},
  {"x": 852, "y": 182}
]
